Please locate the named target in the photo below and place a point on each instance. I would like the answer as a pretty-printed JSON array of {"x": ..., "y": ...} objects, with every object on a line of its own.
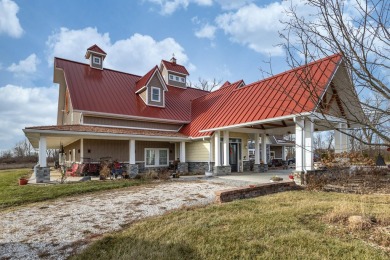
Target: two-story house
[{"x": 151, "y": 120}]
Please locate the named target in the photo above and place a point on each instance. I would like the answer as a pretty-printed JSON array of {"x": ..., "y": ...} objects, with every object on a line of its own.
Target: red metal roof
[
  {"x": 113, "y": 92},
  {"x": 97, "y": 49},
  {"x": 175, "y": 67},
  {"x": 204, "y": 108},
  {"x": 281, "y": 95}
]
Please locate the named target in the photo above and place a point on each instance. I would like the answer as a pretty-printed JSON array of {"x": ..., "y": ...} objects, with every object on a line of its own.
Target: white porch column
[
  {"x": 299, "y": 144},
  {"x": 182, "y": 152},
  {"x": 257, "y": 149},
  {"x": 264, "y": 148},
  {"x": 42, "y": 151},
  {"x": 226, "y": 148},
  {"x": 308, "y": 148},
  {"x": 81, "y": 150},
  {"x": 217, "y": 150},
  {"x": 132, "y": 151},
  {"x": 283, "y": 152},
  {"x": 340, "y": 139}
]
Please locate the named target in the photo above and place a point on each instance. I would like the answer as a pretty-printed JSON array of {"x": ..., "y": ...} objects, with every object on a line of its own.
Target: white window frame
[
  {"x": 97, "y": 60},
  {"x": 157, "y": 157},
  {"x": 159, "y": 94},
  {"x": 177, "y": 78}
]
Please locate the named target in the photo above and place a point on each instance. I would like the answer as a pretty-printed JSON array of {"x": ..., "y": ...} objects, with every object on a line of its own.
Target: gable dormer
[
  {"x": 151, "y": 88},
  {"x": 96, "y": 56},
  {"x": 174, "y": 74}
]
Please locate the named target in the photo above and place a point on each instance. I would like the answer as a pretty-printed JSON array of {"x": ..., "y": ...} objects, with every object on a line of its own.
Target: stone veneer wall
[
  {"x": 42, "y": 174},
  {"x": 222, "y": 170},
  {"x": 248, "y": 165},
  {"x": 199, "y": 167},
  {"x": 254, "y": 191},
  {"x": 182, "y": 167}
]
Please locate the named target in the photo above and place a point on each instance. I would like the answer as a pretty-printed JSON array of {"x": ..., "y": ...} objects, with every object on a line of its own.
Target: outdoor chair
[{"x": 72, "y": 171}]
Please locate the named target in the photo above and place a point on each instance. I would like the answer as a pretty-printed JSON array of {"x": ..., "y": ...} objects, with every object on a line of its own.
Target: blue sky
[{"x": 222, "y": 39}]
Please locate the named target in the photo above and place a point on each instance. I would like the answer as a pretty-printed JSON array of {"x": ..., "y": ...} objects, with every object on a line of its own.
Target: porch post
[
  {"x": 183, "y": 152},
  {"x": 81, "y": 150},
  {"x": 308, "y": 149},
  {"x": 299, "y": 144},
  {"x": 340, "y": 139},
  {"x": 226, "y": 148},
  {"x": 132, "y": 151},
  {"x": 283, "y": 152},
  {"x": 264, "y": 148},
  {"x": 217, "y": 151},
  {"x": 42, "y": 151},
  {"x": 257, "y": 149},
  {"x": 133, "y": 167}
]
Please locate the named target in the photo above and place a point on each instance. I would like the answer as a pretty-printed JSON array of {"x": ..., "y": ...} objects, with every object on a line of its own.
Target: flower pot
[
  {"x": 23, "y": 181},
  {"x": 291, "y": 177}
]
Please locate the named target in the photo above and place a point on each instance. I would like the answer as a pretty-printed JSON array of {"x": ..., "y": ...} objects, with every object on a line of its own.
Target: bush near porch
[
  {"x": 11, "y": 194},
  {"x": 288, "y": 225}
]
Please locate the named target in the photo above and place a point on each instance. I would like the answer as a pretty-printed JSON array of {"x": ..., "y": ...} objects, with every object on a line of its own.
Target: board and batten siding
[
  {"x": 74, "y": 148},
  {"x": 197, "y": 151},
  {"x": 129, "y": 123}
]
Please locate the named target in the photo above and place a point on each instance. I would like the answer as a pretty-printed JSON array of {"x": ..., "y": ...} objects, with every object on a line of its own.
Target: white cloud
[
  {"x": 26, "y": 66},
  {"x": 21, "y": 107},
  {"x": 170, "y": 6},
  {"x": 9, "y": 22},
  {"x": 207, "y": 31},
  {"x": 136, "y": 54},
  {"x": 258, "y": 27}
]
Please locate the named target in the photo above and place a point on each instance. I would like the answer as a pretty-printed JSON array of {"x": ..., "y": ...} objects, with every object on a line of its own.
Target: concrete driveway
[{"x": 256, "y": 178}]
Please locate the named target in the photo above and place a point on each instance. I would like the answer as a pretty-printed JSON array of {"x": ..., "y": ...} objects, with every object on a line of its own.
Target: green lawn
[
  {"x": 289, "y": 225},
  {"x": 11, "y": 194}
]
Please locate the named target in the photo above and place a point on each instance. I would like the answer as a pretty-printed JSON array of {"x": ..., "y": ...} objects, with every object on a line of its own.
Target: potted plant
[
  {"x": 291, "y": 176},
  {"x": 23, "y": 180}
]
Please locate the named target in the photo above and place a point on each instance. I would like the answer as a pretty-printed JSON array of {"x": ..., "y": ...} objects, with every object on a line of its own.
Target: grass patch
[
  {"x": 11, "y": 194},
  {"x": 289, "y": 225}
]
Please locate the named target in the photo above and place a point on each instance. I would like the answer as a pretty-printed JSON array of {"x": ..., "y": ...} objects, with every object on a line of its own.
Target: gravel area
[{"x": 59, "y": 228}]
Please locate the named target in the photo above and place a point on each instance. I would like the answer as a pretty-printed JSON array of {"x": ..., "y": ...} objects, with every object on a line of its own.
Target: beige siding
[
  {"x": 73, "y": 148},
  {"x": 197, "y": 151},
  {"x": 244, "y": 144},
  {"x": 116, "y": 149},
  {"x": 143, "y": 96},
  {"x": 128, "y": 123}
]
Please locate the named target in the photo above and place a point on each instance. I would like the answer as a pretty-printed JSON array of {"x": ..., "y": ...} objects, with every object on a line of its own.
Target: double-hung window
[
  {"x": 156, "y": 94},
  {"x": 156, "y": 157}
]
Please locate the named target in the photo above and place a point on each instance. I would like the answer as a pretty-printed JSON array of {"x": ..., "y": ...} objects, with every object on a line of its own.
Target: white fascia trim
[
  {"x": 126, "y": 136},
  {"x": 159, "y": 94},
  {"x": 334, "y": 119},
  {"x": 177, "y": 72},
  {"x": 137, "y": 128},
  {"x": 264, "y": 121},
  {"x": 200, "y": 138},
  {"x": 147, "y": 119},
  {"x": 98, "y": 53},
  {"x": 140, "y": 90},
  {"x": 328, "y": 84}
]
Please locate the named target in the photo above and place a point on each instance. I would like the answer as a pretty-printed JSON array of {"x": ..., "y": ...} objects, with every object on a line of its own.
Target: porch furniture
[{"x": 72, "y": 171}]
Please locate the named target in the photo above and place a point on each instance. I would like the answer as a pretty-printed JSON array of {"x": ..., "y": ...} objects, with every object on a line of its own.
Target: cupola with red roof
[
  {"x": 96, "y": 56},
  {"x": 173, "y": 73}
]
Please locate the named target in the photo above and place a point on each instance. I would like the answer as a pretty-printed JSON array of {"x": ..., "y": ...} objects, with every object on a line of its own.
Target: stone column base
[
  {"x": 42, "y": 174},
  {"x": 132, "y": 170},
  {"x": 260, "y": 167},
  {"x": 182, "y": 167},
  {"x": 222, "y": 170}
]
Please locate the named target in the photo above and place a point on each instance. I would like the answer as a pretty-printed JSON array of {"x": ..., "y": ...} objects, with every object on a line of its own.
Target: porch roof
[{"x": 67, "y": 134}]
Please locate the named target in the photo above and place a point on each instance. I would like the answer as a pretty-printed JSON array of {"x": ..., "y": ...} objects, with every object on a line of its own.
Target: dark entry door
[{"x": 233, "y": 156}]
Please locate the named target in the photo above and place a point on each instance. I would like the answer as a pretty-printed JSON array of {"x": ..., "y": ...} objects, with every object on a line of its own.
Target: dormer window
[
  {"x": 177, "y": 78},
  {"x": 156, "y": 94},
  {"x": 97, "y": 60}
]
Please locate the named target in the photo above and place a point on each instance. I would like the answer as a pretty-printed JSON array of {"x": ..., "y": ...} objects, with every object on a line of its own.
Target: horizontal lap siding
[
  {"x": 76, "y": 147},
  {"x": 116, "y": 149},
  {"x": 197, "y": 151},
  {"x": 128, "y": 123}
]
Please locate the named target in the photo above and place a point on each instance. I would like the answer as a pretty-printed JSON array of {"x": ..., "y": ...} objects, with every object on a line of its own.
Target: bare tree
[
  {"x": 205, "y": 84},
  {"x": 359, "y": 31}
]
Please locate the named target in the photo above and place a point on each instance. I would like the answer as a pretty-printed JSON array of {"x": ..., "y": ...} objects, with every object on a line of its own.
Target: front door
[{"x": 233, "y": 156}]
